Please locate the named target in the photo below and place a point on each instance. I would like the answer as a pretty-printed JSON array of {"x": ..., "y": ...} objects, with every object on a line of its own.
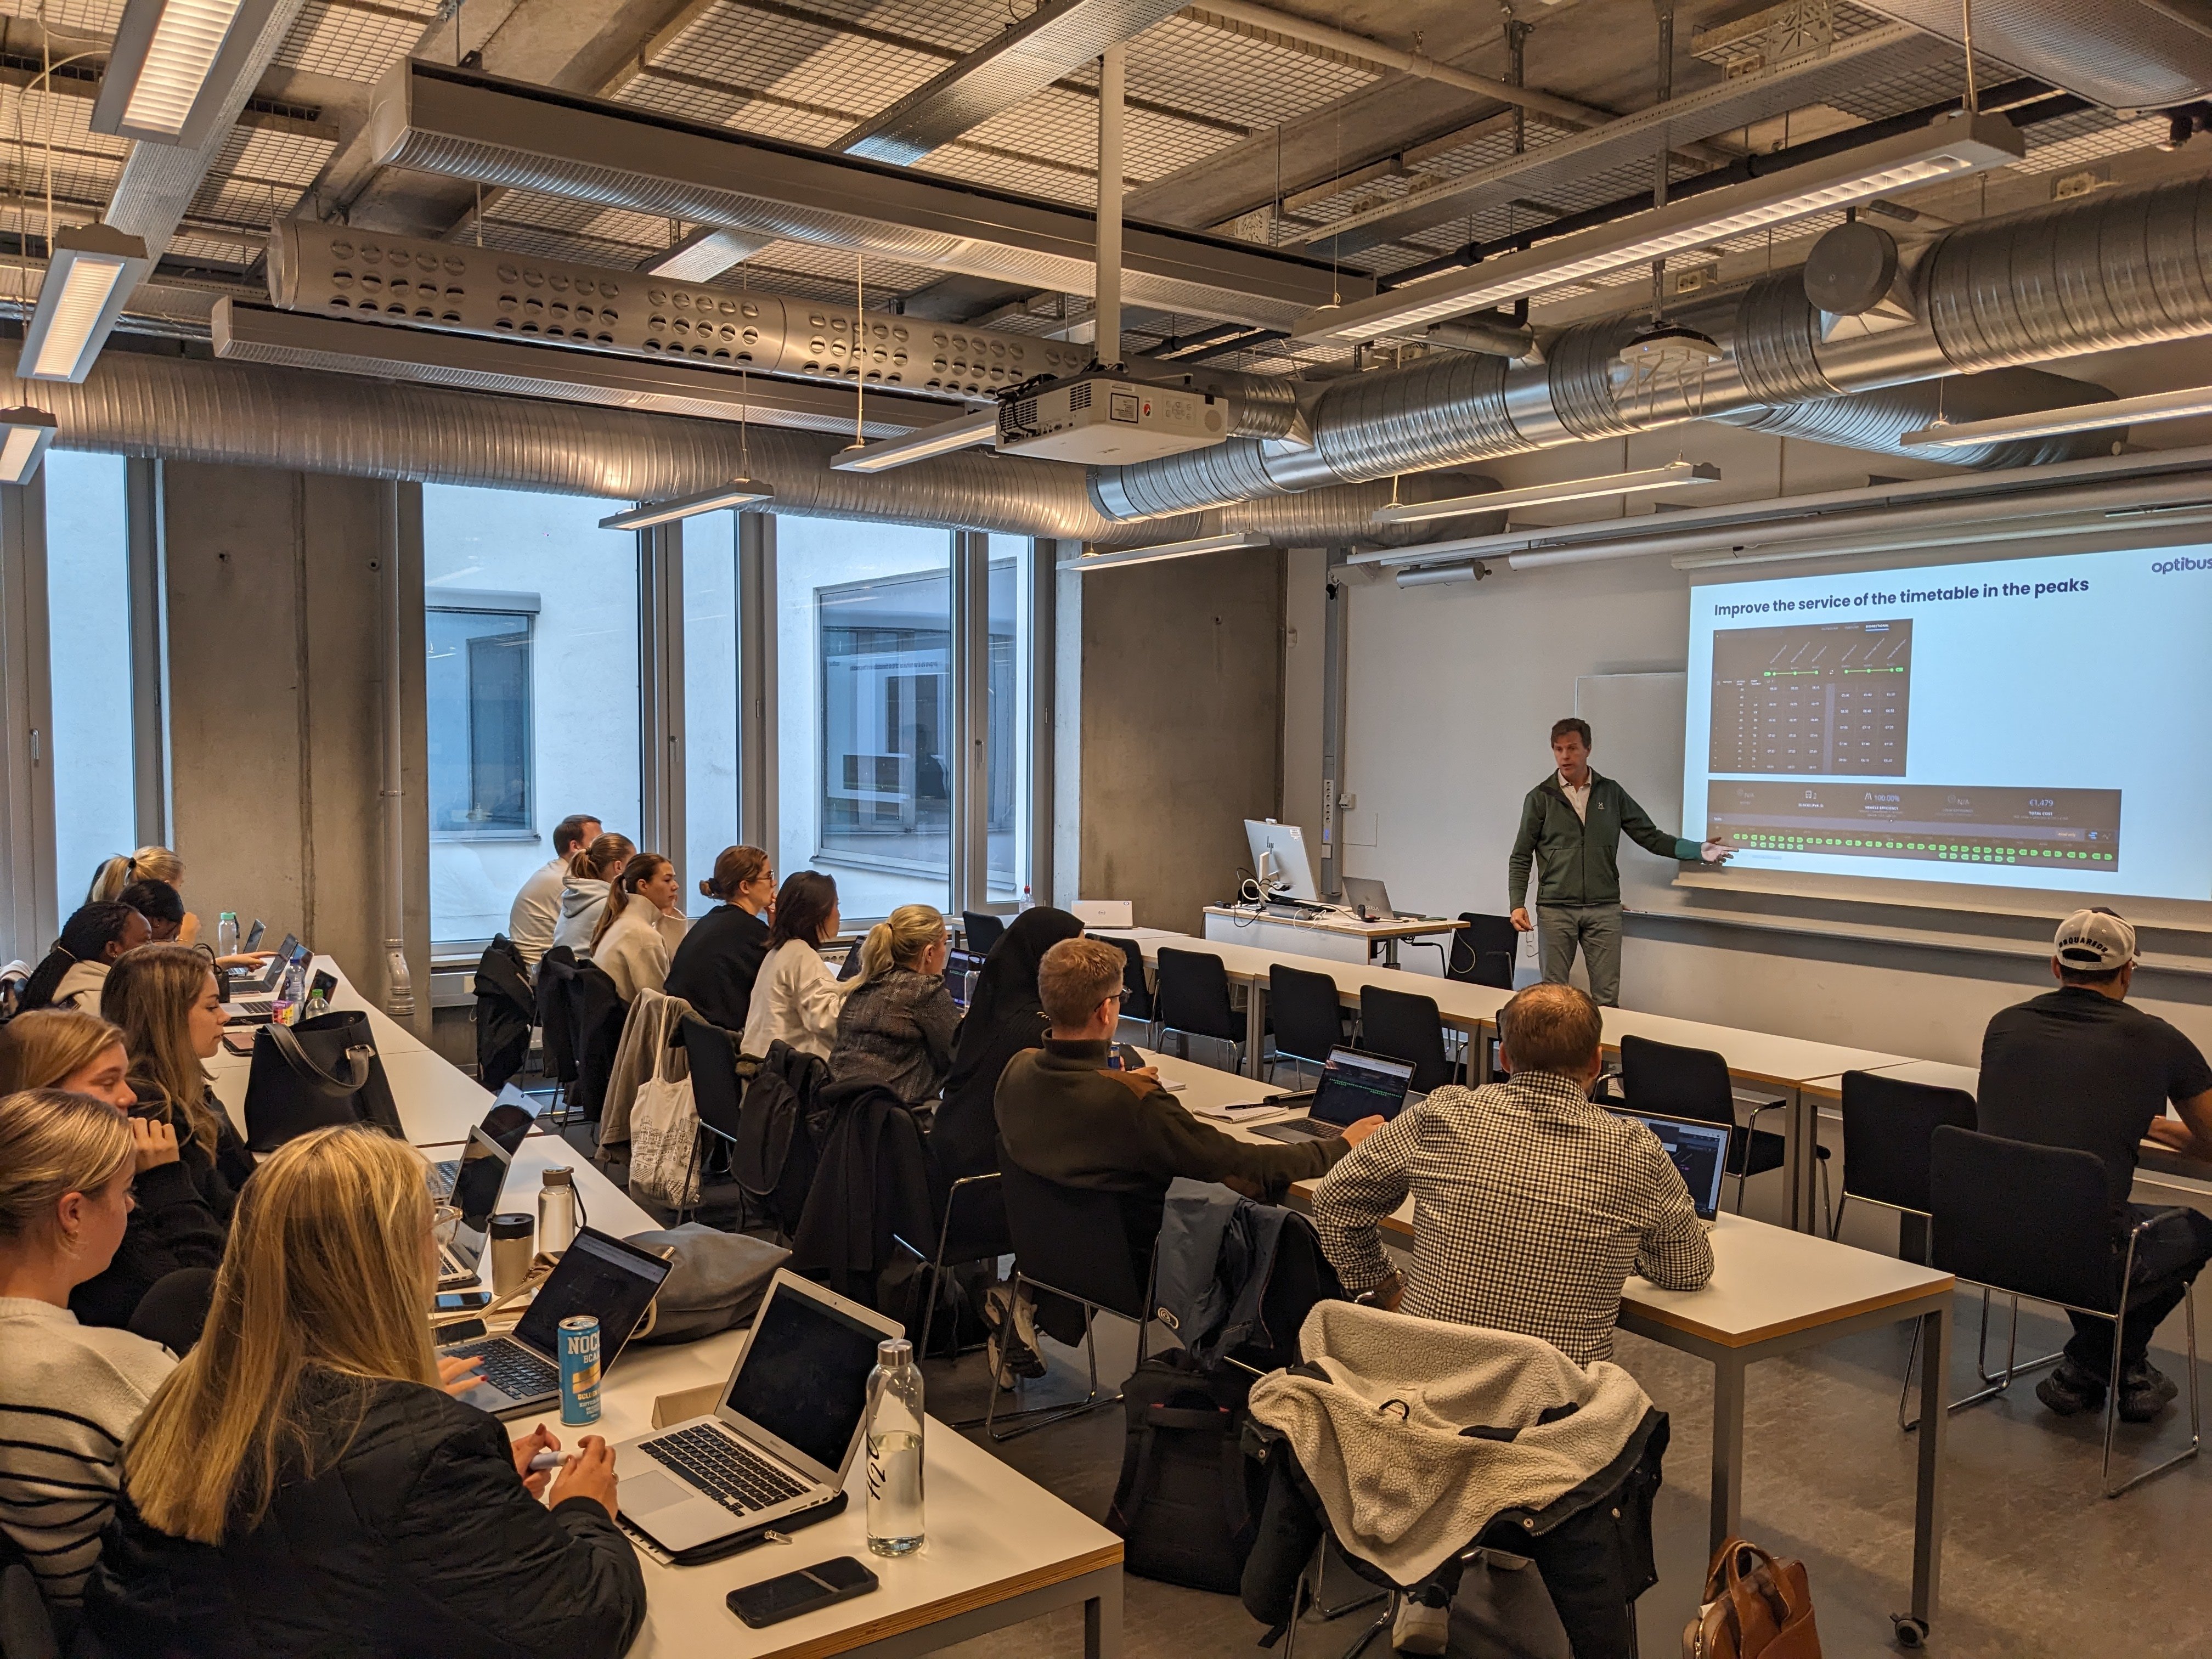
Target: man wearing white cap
[{"x": 2079, "y": 1068}]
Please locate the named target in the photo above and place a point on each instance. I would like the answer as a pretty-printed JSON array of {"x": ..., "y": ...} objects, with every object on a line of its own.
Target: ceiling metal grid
[
  {"x": 1236, "y": 78},
  {"x": 91, "y": 18},
  {"x": 355, "y": 44}
]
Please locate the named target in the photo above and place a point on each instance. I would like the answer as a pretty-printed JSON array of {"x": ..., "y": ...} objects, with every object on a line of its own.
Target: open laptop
[
  {"x": 961, "y": 968},
  {"x": 243, "y": 1009},
  {"x": 1354, "y": 1085},
  {"x": 596, "y": 1275},
  {"x": 1373, "y": 898},
  {"x": 499, "y": 1136},
  {"x": 782, "y": 1440},
  {"x": 1699, "y": 1150},
  {"x": 242, "y": 981}
]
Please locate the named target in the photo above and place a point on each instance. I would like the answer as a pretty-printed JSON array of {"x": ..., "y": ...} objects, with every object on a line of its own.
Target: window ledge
[{"x": 506, "y": 833}]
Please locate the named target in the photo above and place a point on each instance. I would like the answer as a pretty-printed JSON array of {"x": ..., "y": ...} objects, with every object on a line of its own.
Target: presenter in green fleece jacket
[{"x": 1571, "y": 825}]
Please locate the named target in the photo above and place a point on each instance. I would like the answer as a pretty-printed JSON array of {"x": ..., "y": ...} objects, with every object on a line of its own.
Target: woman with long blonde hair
[
  {"x": 69, "y": 1393},
  {"x": 164, "y": 999},
  {"x": 899, "y": 1024},
  {"x": 300, "y": 1485},
  {"x": 147, "y": 864}
]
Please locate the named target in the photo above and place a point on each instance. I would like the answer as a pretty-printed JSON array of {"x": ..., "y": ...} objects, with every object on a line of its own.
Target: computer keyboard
[
  {"x": 509, "y": 1367},
  {"x": 259, "y": 1006},
  {"x": 441, "y": 1177},
  {"x": 723, "y": 1468}
]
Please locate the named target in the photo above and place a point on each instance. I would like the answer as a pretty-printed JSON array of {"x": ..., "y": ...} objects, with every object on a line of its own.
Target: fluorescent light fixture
[
  {"x": 173, "y": 66},
  {"x": 706, "y": 254},
  {"x": 943, "y": 439},
  {"x": 1220, "y": 544},
  {"x": 25, "y": 434},
  {"x": 92, "y": 268},
  {"x": 738, "y": 492},
  {"x": 1951, "y": 147},
  {"x": 2079, "y": 417},
  {"x": 1668, "y": 476},
  {"x": 1436, "y": 575}
]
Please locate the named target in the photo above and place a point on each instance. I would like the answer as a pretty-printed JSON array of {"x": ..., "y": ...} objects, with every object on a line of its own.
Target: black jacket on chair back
[{"x": 415, "y": 1536}]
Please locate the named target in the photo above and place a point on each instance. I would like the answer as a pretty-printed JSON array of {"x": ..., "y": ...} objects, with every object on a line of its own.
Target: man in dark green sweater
[{"x": 1570, "y": 826}]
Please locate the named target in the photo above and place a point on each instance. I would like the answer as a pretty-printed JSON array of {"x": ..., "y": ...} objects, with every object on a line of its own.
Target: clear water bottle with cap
[
  {"x": 556, "y": 1210},
  {"x": 226, "y": 934},
  {"x": 291, "y": 992},
  {"x": 895, "y": 1425}
]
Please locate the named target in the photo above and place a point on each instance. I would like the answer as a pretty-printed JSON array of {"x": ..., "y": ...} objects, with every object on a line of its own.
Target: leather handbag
[
  {"x": 321, "y": 1073},
  {"x": 1755, "y": 1607}
]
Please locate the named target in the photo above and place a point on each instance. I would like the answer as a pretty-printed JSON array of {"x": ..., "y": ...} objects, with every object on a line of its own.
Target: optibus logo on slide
[{"x": 2183, "y": 562}]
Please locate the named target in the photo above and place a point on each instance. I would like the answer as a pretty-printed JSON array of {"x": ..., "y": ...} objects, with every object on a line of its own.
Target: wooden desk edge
[
  {"x": 951, "y": 1607},
  {"x": 1674, "y": 1320}
]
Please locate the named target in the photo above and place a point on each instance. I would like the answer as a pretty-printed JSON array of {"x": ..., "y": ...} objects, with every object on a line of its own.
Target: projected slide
[{"x": 2041, "y": 722}]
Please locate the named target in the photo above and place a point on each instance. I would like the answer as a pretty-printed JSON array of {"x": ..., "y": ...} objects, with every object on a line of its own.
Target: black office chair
[
  {"x": 556, "y": 968},
  {"x": 2035, "y": 1221},
  {"x": 1482, "y": 952},
  {"x": 1191, "y": 998},
  {"x": 1071, "y": 1242},
  {"x": 1407, "y": 1026},
  {"x": 972, "y": 1229},
  {"x": 1308, "y": 1015},
  {"x": 1136, "y": 989},
  {"x": 717, "y": 1092},
  {"x": 1694, "y": 1083},
  {"x": 981, "y": 930}
]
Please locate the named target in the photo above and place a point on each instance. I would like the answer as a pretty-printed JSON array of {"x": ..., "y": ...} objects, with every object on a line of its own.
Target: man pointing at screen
[{"x": 1571, "y": 825}]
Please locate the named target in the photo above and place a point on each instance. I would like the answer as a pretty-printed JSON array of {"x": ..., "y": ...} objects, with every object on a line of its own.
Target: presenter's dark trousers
[
  {"x": 1597, "y": 929},
  {"x": 2167, "y": 1260}
]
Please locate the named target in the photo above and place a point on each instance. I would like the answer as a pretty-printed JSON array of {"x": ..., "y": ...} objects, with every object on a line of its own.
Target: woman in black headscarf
[{"x": 1004, "y": 1017}]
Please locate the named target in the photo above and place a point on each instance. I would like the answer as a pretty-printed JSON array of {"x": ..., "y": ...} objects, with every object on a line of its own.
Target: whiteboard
[{"x": 1635, "y": 739}]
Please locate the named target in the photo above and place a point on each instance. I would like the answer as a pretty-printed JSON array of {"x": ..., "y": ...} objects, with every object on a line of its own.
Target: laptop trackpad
[{"x": 646, "y": 1493}]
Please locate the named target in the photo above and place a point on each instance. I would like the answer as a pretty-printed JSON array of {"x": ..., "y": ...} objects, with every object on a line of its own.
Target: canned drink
[{"x": 578, "y": 1339}]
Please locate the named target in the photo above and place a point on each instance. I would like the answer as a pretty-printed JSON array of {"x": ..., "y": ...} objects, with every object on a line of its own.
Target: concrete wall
[
  {"x": 274, "y": 718},
  {"x": 1181, "y": 728}
]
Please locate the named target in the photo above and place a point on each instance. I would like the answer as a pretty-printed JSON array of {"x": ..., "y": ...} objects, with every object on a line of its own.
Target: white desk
[
  {"x": 437, "y": 1102},
  {"x": 1335, "y": 937}
]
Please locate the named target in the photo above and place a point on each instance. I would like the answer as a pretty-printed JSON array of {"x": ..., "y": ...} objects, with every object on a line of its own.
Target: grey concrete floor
[{"x": 2035, "y": 1561}]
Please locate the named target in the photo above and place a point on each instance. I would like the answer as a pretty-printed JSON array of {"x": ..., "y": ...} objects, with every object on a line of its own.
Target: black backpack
[{"x": 1187, "y": 1506}]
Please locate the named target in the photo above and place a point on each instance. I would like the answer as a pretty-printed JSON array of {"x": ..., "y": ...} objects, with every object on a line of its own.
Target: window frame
[{"x": 526, "y": 608}]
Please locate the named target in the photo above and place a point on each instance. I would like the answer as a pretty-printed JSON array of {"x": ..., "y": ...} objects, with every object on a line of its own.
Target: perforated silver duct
[
  {"x": 137, "y": 404},
  {"x": 2116, "y": 269}
]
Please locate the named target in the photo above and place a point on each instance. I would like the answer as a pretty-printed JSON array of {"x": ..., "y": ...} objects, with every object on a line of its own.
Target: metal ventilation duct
[
  {"x": 367, "y": 276},
  {"x": 1877, "y": 421},
  {"x": 2124, "y": 54},
  {"x": 1021, "y": 60},
  {"x": 466, "y": 125}
]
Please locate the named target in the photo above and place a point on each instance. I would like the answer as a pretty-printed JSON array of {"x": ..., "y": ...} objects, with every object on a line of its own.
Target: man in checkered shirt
[{"x": 1531, "y": 1206}]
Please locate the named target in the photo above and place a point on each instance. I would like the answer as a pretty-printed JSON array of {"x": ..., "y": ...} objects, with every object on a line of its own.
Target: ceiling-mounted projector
[{"x": 1101, "y": 420}]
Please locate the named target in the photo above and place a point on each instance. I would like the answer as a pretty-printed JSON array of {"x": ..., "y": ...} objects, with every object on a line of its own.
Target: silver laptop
[
  {"x": 1700, "y": 1149},
  {"x": 608, "y": 1277},
  {"x": 501, "y": 1132},
  {"x": 785, "y": 1436},
  {"x": 1372, "y": 897},
  {"x": 1354, "y": 1085}
]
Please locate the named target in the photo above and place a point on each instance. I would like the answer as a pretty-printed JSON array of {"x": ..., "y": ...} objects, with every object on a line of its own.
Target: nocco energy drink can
[{"x": 578, "y": 1340}]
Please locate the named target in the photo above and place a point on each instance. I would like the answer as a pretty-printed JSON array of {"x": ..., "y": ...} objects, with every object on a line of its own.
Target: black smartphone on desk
[{"x": 774, "y": 1600}]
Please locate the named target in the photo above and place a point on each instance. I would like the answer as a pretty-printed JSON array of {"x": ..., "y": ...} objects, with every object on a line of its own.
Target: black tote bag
[{"x": 322, "y": 1073}]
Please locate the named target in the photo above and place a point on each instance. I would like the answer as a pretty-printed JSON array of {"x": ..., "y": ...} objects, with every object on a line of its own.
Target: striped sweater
[{"x": 68, "y": 1396}]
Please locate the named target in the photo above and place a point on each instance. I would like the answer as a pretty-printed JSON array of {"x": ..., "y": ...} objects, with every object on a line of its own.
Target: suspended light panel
[
  {"x": 175, "y": 67},
  {"x": 738, "y": 492},
  {"x": 25, "y": 437},
  {"x": 1953, "y": 146},
  {"x": 2176, "y": 405},
  {"x": 1221, "y": 544},
  {"x": 92, "y": 268},
  {"x": 965, "y": 433},
  {"x": 1674, "y": 473}
]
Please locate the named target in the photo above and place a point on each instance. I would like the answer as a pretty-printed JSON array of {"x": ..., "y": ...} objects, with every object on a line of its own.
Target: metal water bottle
[
  {"x": 895, "y": 1425},
  {"x": 556, "y": 1210}
]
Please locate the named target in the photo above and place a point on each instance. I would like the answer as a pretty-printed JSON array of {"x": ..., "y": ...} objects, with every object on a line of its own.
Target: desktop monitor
[{"x": 1279, "y": 860}]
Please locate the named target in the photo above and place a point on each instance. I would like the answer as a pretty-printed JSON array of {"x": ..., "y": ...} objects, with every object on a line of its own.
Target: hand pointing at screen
[{"x": 1718, "y": 850}]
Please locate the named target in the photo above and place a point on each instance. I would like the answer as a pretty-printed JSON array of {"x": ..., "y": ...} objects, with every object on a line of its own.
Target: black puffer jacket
[{"x": 416, "y": 1537}]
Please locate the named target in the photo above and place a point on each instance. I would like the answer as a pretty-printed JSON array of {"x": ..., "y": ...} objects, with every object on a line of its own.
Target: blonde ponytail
[
  {"x": 147, "y": 864},
  {"x": 902, "y": 941}
]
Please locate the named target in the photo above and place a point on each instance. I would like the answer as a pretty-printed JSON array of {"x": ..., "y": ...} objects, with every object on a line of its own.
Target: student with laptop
[
  {"x": 797, "y": 997},
  {"x": 899, "y": 1024},
  {"x": 536, "y": 908},
  {"x": 1531, "y": 1206},
  {"x": 301, "y": 1484},
  {"x": 715, "y": 968},
  {"x": 164, "y": 999},
  {"x": 1354, "y": 1085}
]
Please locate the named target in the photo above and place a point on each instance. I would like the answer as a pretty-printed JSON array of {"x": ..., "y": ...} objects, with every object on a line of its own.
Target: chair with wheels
[
  {"x": 1071, "y": 1242},
  {"x": 1694, "y": 1083},
  {"x": 1136, "y": 989},
  {"x": 2035, "y": 1221},
  {"x": 1404, "y": 1025},
  {"x": 1191, "y": 999},
  {"x": 1483, "y": 952},
  {"x": 981, "y": 930},
  {"x": 1308, "y": 1015}
]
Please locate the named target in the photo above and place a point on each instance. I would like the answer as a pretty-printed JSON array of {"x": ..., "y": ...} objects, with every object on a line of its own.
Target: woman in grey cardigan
[{"x": 898, "y": 1023}]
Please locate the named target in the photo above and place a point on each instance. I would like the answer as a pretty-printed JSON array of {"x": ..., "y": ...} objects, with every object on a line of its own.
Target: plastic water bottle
[
  {"x": 289, "y": 990},
  {"x": 226, "y": 934},
  {"x": 895, "y": 1426}
]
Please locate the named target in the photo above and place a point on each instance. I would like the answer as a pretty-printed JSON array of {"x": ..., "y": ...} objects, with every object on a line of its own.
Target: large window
[
  {"x": 1009, "y": 690},
  {"x": 865, "y": 709},
  {"x": 710, "y": 697},
  {"x": 532, "y": 688},
  {"x": 88, "y": 630}
]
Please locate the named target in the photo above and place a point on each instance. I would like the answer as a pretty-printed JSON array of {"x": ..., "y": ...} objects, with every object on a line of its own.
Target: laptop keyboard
[
  {"x": 723, "y": 1468},
  {"x": 260, "y": 1006},
  {"x": 511, "y": 1368},
  {"x": 441, "y": 1178}
]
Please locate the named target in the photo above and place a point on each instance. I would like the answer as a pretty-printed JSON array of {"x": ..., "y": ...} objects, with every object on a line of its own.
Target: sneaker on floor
[
  {"x": 1011, "y": 1351},
  {"x": 2145, "y": 1391},
  {"x": 1420, "y": 1628},
  {"x": 2068, "y": 1390}
]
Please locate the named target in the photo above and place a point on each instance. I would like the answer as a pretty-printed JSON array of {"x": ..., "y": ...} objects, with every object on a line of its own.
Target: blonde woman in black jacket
[{"x": 300, "y": 1485}]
